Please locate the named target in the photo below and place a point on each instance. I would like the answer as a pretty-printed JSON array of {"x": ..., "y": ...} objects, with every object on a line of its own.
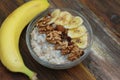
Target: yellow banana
[
  {"x": 10, "y": 32},
  {"x": 74, "y": 22},
  {"x": 82, "y": 41},
  {"x": 63, "y": 18},
  {"x": 55, "y": 14},
  {"x": 77, "y": 32}
]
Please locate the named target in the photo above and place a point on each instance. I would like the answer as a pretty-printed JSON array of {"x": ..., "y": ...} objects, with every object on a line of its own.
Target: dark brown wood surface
[{"x": 104, "y": 61}]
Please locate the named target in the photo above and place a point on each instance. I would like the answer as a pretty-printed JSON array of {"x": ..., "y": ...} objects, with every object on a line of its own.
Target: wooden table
[{"x": 104, "y": 61}]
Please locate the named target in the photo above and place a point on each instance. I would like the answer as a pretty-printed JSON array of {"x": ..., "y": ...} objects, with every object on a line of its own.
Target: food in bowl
[{"x": 59, "y": 37}]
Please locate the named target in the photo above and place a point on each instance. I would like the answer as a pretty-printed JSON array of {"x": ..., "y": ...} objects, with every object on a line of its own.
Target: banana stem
[{"x": 32, "y": 75}]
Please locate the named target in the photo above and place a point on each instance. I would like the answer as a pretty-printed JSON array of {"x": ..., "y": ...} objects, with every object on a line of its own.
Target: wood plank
[
  {"x": 102, "y": 62},
  {"x": 108, "y": 11},
  {"x": 104, "y": 59},
  {"x": 76, "y": 73}
]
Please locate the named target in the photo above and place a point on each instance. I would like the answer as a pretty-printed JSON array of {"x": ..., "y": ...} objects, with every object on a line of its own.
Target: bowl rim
[{"x": 59, "y": 66}]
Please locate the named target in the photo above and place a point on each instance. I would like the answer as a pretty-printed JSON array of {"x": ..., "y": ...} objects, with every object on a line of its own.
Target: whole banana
[{"x": 10, "y": 32}]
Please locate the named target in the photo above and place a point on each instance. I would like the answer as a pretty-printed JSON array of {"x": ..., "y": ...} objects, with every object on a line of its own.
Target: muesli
[{"x": 59, "y": 37}]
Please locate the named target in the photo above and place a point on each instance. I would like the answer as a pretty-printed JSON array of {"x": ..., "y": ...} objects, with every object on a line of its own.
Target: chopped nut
[
  {"x": 43, "y": 22},
  {"x": 42, "y": 30},
  {"x": 76, "y": 52},
  {"x": 60, "y": 28},
  {"x": 45, "y": 29},
  {"x": 42, "y": 25},
  {"x": 57, "y": 34},
  {"x": 75, "y": 49},
  {"x": 49, "y": 28},
  {"x": 53, "y": 36},
  {"x": 72, "y": 56},
  {"x": 47, "y": 19},
  {"x": 67, "y": 50},
  {"x": 61, "y": 45}
]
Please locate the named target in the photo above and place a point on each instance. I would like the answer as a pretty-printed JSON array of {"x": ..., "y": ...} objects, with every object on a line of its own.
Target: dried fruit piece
[
  {"x": 74, "y": 22},
  {"x": 81, "y": 42},
  {"x": 64, "y": 18},
  {"x": 55, "y": 14},
  {"x": 77, "y": 32}
]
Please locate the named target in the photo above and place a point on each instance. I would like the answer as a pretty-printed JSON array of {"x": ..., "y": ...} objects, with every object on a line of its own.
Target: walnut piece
[
  {"x": 53, "y": 36},
  {"x": 67, "y": 50},
  {"x": 49, "y": 28},
  {"x": 75, "y": 53},
  {"x": 43, "y": 21},
  {"x": 42, "y": 30},
  {"x": 45, "y": 28},
  {"x": 57, "y": 35},
  {"x": 61, "y": 45}
]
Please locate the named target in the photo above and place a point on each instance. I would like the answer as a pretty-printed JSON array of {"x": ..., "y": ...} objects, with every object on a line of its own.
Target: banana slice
[
  {"x": 64, "y": 18},
  {"x": 55, "y": 14},
  {"x": 74, "y": 23},
  {"x": 82, "y": 41},
  {"x": 77, "y": 32}
]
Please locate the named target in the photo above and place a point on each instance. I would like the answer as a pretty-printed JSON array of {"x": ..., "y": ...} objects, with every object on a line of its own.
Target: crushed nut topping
[
  {"x": 43, "y": 22},
  {"x": 61, "y": 45},
  {"x": 75, "y": 54},
  {"x": 53, "y": 36},
  {"x": 57, "y": 35},
  {"x": 67, "y": 50}
]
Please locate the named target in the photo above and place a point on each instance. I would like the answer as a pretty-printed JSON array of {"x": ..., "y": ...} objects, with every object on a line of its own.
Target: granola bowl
[{"x": 59, "y": 38}]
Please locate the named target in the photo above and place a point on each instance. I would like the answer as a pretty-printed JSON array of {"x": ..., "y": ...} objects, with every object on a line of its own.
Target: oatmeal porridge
[{"x": 59, "y": 37}]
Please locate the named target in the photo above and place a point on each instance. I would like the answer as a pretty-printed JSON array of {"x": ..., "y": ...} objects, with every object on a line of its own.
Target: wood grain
[
  {"x": 103, "y": 62},
  {"x": 104, "y": 59},
  {"x": 77, "y": 73},
  {"x": 108, "y": 11}
]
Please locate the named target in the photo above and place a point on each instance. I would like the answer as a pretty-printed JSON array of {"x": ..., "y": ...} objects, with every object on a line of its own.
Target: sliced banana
[
  {"x": 74, "y": 22},
  {"x": 64, "y": 18},
  {"x": 77, "y": 32},
  {"x": 55, "y": 14},
  {"x": 82, "y": 41}
]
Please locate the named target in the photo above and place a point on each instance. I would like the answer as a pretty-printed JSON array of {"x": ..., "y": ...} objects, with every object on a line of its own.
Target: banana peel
[{"x": 10, "y": 32}]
